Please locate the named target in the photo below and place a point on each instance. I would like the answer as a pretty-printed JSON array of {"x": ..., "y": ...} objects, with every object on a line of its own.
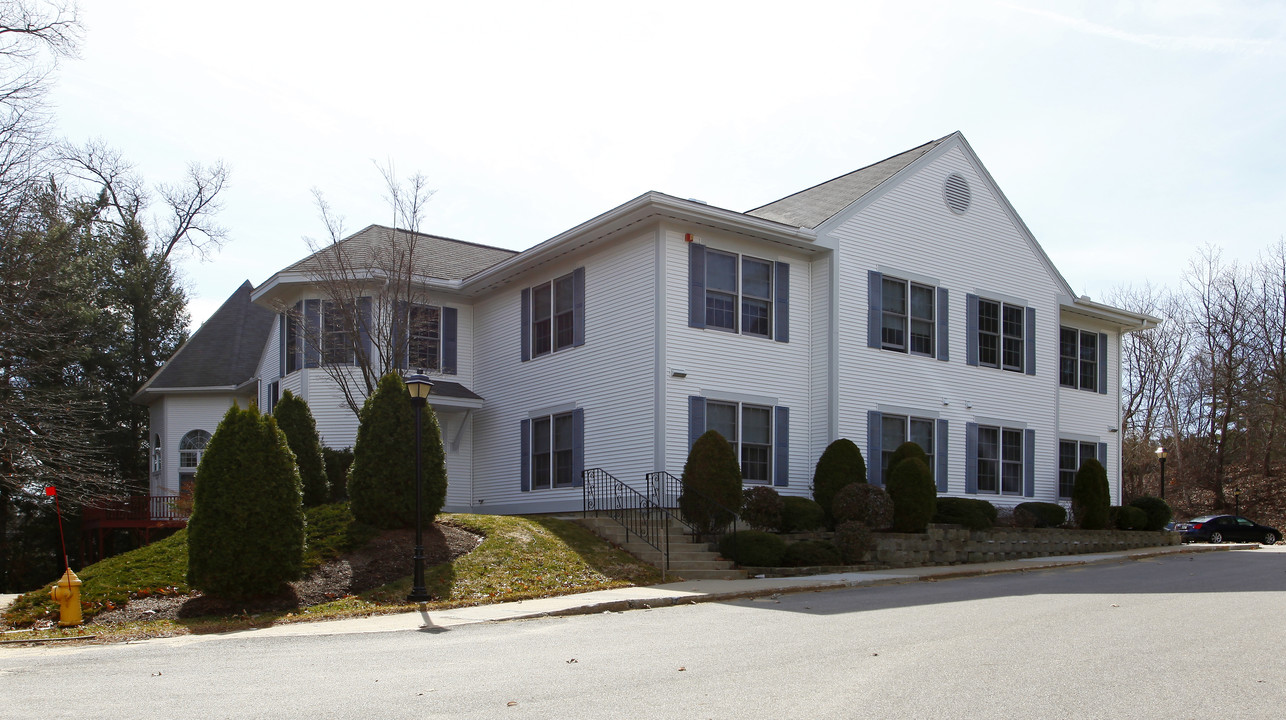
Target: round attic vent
[{"x": 957, "y": 193}]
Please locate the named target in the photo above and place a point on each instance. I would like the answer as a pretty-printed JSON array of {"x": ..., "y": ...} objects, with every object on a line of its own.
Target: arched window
[
  {"x": 156, "y": 453},
  {"x": 191, "y": 447}
]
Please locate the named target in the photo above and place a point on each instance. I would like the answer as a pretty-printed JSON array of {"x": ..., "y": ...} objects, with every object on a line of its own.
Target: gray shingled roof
[
  {"x": 446, "y": 388},
  {"x": 814, "y": 206},
  {"x": 224, "y": 351},
  {"x": 435, "y": 257}
]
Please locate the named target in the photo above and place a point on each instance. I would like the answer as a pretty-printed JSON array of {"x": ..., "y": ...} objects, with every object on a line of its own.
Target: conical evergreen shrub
[
  {"x": 840, "y": 464},
  {"x": 246, "y": 533},
  {"x": 296, "y": 420},
  {"x": 1091, "y": 496},
  {"x": 381, "y": 484},
  {"x": 711, "y": 473},
  {"x": 915, "y": 497}
]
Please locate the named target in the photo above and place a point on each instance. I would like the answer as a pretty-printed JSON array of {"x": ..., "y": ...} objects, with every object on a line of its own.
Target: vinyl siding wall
[
  {"x": 910, "y": 233},
  {"x": 1089, "y": 416},
  {"x": 723, "y": 363},
  {"x": 178, "y": 415},
  {"x": 611, "y": 377}
]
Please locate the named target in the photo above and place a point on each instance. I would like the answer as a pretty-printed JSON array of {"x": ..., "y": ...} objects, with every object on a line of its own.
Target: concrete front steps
[{"x": 688, "y": 560}]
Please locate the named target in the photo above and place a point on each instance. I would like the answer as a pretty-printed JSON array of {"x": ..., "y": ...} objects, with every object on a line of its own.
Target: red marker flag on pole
[{"x": 51, "y": 490}]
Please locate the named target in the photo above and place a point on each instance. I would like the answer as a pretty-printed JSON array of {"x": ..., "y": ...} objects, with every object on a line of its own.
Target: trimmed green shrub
[
  {"x": 296, "y": 420},
  {"x": 1157, "y": 510},
  {"x": 711, "y": 479},
  {"x": 753, "y": 548},
  {"x": 811, "y": 553},
  {"x": 246, "y": 533},
  {"x": 854, "y": 540},
  {"x": 840, "y": 464},
  {"x": 1040, "y": 515},
  {"x": 1129, "y": 517},
  {"x": 1091, "y": 496},
  {"x": 906, "y": 450},
  {"x": 801, "y": 515},
  {"x": 914, "y": 496},
  {"x": 381, "y": 484},
  {"x": 972, "y": 513},
  {"x": 761, "y": 509},
  {"x": 867, "y": 504},
  {"x": 338, "y": 463}
]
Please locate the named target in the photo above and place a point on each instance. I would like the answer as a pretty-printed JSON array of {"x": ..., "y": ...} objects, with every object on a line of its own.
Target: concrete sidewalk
[{"x": 693, "y": 591}]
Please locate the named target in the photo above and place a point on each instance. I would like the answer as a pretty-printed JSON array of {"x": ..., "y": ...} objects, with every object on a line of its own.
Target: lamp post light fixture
[
  {"x": 419, "y": 387},
  {"x": 1162, "y": 455}
]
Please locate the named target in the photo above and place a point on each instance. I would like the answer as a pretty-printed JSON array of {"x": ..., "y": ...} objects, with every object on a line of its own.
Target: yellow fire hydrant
[{"x": 67, "y": 593}]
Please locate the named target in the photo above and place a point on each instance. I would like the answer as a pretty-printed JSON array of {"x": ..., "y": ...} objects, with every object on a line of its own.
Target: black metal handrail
[
  {"x": 669, "y": 491},
  {"x": 601, "y": 492}
]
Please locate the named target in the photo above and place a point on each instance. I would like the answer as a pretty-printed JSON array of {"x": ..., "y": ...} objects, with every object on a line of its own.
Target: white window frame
[
  {"x": 906, "y": 321},
  {"x": 742, "y": 300},
  {"x": 1082, "y": 362},
  {"x": 1004, "y": 461},
  {"x": 743, "y": 448},
  {"x": 1066, "y": 475},
  {"x": 191, "y": 447},
  {"x": 427, "y": 335},
  {"x": 549, "y": 462},
  {"x": 1002, "y": 335},
  {"x": 886, "y": 452},
  {"x": 560, "y": 332}
]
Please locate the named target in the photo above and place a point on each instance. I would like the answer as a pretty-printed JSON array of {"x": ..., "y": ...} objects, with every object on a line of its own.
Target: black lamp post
[
  {"x": 1162, "y": 455},
  {"x": 419, "y": 387}
]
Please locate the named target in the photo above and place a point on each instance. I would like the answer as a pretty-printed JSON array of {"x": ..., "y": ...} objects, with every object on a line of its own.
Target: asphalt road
[{"x": 1190, "y": 636}]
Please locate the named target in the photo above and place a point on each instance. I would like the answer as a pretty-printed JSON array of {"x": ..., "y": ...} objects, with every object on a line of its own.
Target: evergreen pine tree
[
  {"x": 1091, "y": 496},
  {"x": 246, "y": 533},
  {"x": 296, "y": 420},
  {"x": 381, "y": 484},
  {"x": 711, "y": 483}
]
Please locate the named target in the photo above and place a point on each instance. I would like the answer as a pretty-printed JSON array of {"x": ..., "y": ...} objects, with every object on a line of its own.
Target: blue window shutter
[
  {"x": 297, "y": 348},
  {"x": 971, "y": 331},
  {"x": 1029, "y": 340},
  {"x": 1102, "y": 363},
  {"x": 1102, "y": 454},
  {"x": 874, "y": 454},
  {"x": 874, "y": 307},
  {"x": 940, "y": 454},
  {"x": 696, "y": 418},
  {"x": 450, "y": 351},
  {"x": 525, "y": 446},
  {"x": 364, "y": 328},
  {"x": 312, "y": 333},
  {"x": 971, "y": 458},
  {"x": 282, "y": 319},
  {"x": 781, "y": 302},
  {"x": 578, "y": 306},
  {"x": 399, "y": 332},
  {"x": 696, "y": 285},
  {"x": 526, "y": 324},
  {"x": 578, "y": 447},
  {"x": 781, "y": 447},
  {"x": 1029, "y": 463},
  {"x": 944, "y": 325}
]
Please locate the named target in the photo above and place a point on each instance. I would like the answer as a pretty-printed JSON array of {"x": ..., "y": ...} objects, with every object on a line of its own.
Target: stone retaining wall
[{"x": 954, "y": 545}]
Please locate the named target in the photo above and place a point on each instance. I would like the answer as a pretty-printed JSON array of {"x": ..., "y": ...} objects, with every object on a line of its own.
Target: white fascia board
[
  {"x": 275, "y": 287},
  {"x": 454, "y": 402},
  {"x": 648, "y": 206},
  {"x": 1126, "y": 320}
]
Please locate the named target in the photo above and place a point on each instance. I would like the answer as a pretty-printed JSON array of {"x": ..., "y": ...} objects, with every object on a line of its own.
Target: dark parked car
[{"x": 1218, "y": 528}]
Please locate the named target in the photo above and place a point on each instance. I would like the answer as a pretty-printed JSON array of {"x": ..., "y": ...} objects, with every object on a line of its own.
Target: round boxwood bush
[
  {"x": 761, "y": 509},
  {"x": 296, "y": 420},
  {"x": 1157, "y": 510},
  {"x": 840, "y": 464},
  {"x": 906, "y": 450},
  {"x": 853, "y": 540},
  {"x": 1040, "y": 515},
  {"x": 711, "y": 484},
  {"x": 1091, "y": 496},
  {"x": 867, "y": 504},
  {"x": 246, "y": 533},
  {"x": 753, "y": 548},
  {"x": 914, "y": 496},
  {"x": 801, "y": 515},
  {"x": 972, "y": 513},
  {"x": 1129, "y": 517},
  {"x": 811, "y": 553},
  {"x": 381, "y": 484}
]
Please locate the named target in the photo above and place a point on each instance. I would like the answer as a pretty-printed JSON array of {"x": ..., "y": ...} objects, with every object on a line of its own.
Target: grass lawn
[{"x": 520, "y": 558}]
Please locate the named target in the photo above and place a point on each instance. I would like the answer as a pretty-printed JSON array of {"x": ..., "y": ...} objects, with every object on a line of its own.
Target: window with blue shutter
[
  {"x": 942, "y": 439},
  {"x": 738, "y": 293},
  {"x": 1102, "y": 363},
  {"x": 553, "y": 451},
  {"x": 944, "y": 325},
  {"x": 759, "y": 435},
  {"x": 553, "y": 315},
  {"x": 1000, "y": 335},
  {"x": 524, "y": 444},
  {"x": 312, "y": 333},
  {"x": 874, "y": 447},
  {"x": 1029, "y": 463},
  {"x": 781, "y": 447},
  {"x": 450, "y": 351},
  {"x": 971, "y": 458}
]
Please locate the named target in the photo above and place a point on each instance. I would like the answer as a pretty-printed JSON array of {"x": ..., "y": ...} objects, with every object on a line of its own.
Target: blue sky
[{"x": 1127, "y": 135}]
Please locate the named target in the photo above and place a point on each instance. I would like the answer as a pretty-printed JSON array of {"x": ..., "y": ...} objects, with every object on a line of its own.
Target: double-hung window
[
  {"x": 424, "y": 337},
  {"x": 336, "y": 342},
  {"x": 748, "y": 428},
  {"x": 551, "y": 451},
  {"x": 1079, "y": 353},
  {"x": 1001, "y": 334},
  {"x": 907, "y": 317},
  {"x": 553, "y": 315},
  {"x": 739, "y": 294},
  {"x": 1071, "y": 455},
  {"x": 898, "y": 429},
  {"x": 1000, "y": 460}
]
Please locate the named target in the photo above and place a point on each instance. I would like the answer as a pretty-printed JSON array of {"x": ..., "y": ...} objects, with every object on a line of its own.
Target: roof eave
[{"x": 1127, "y": 320}]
